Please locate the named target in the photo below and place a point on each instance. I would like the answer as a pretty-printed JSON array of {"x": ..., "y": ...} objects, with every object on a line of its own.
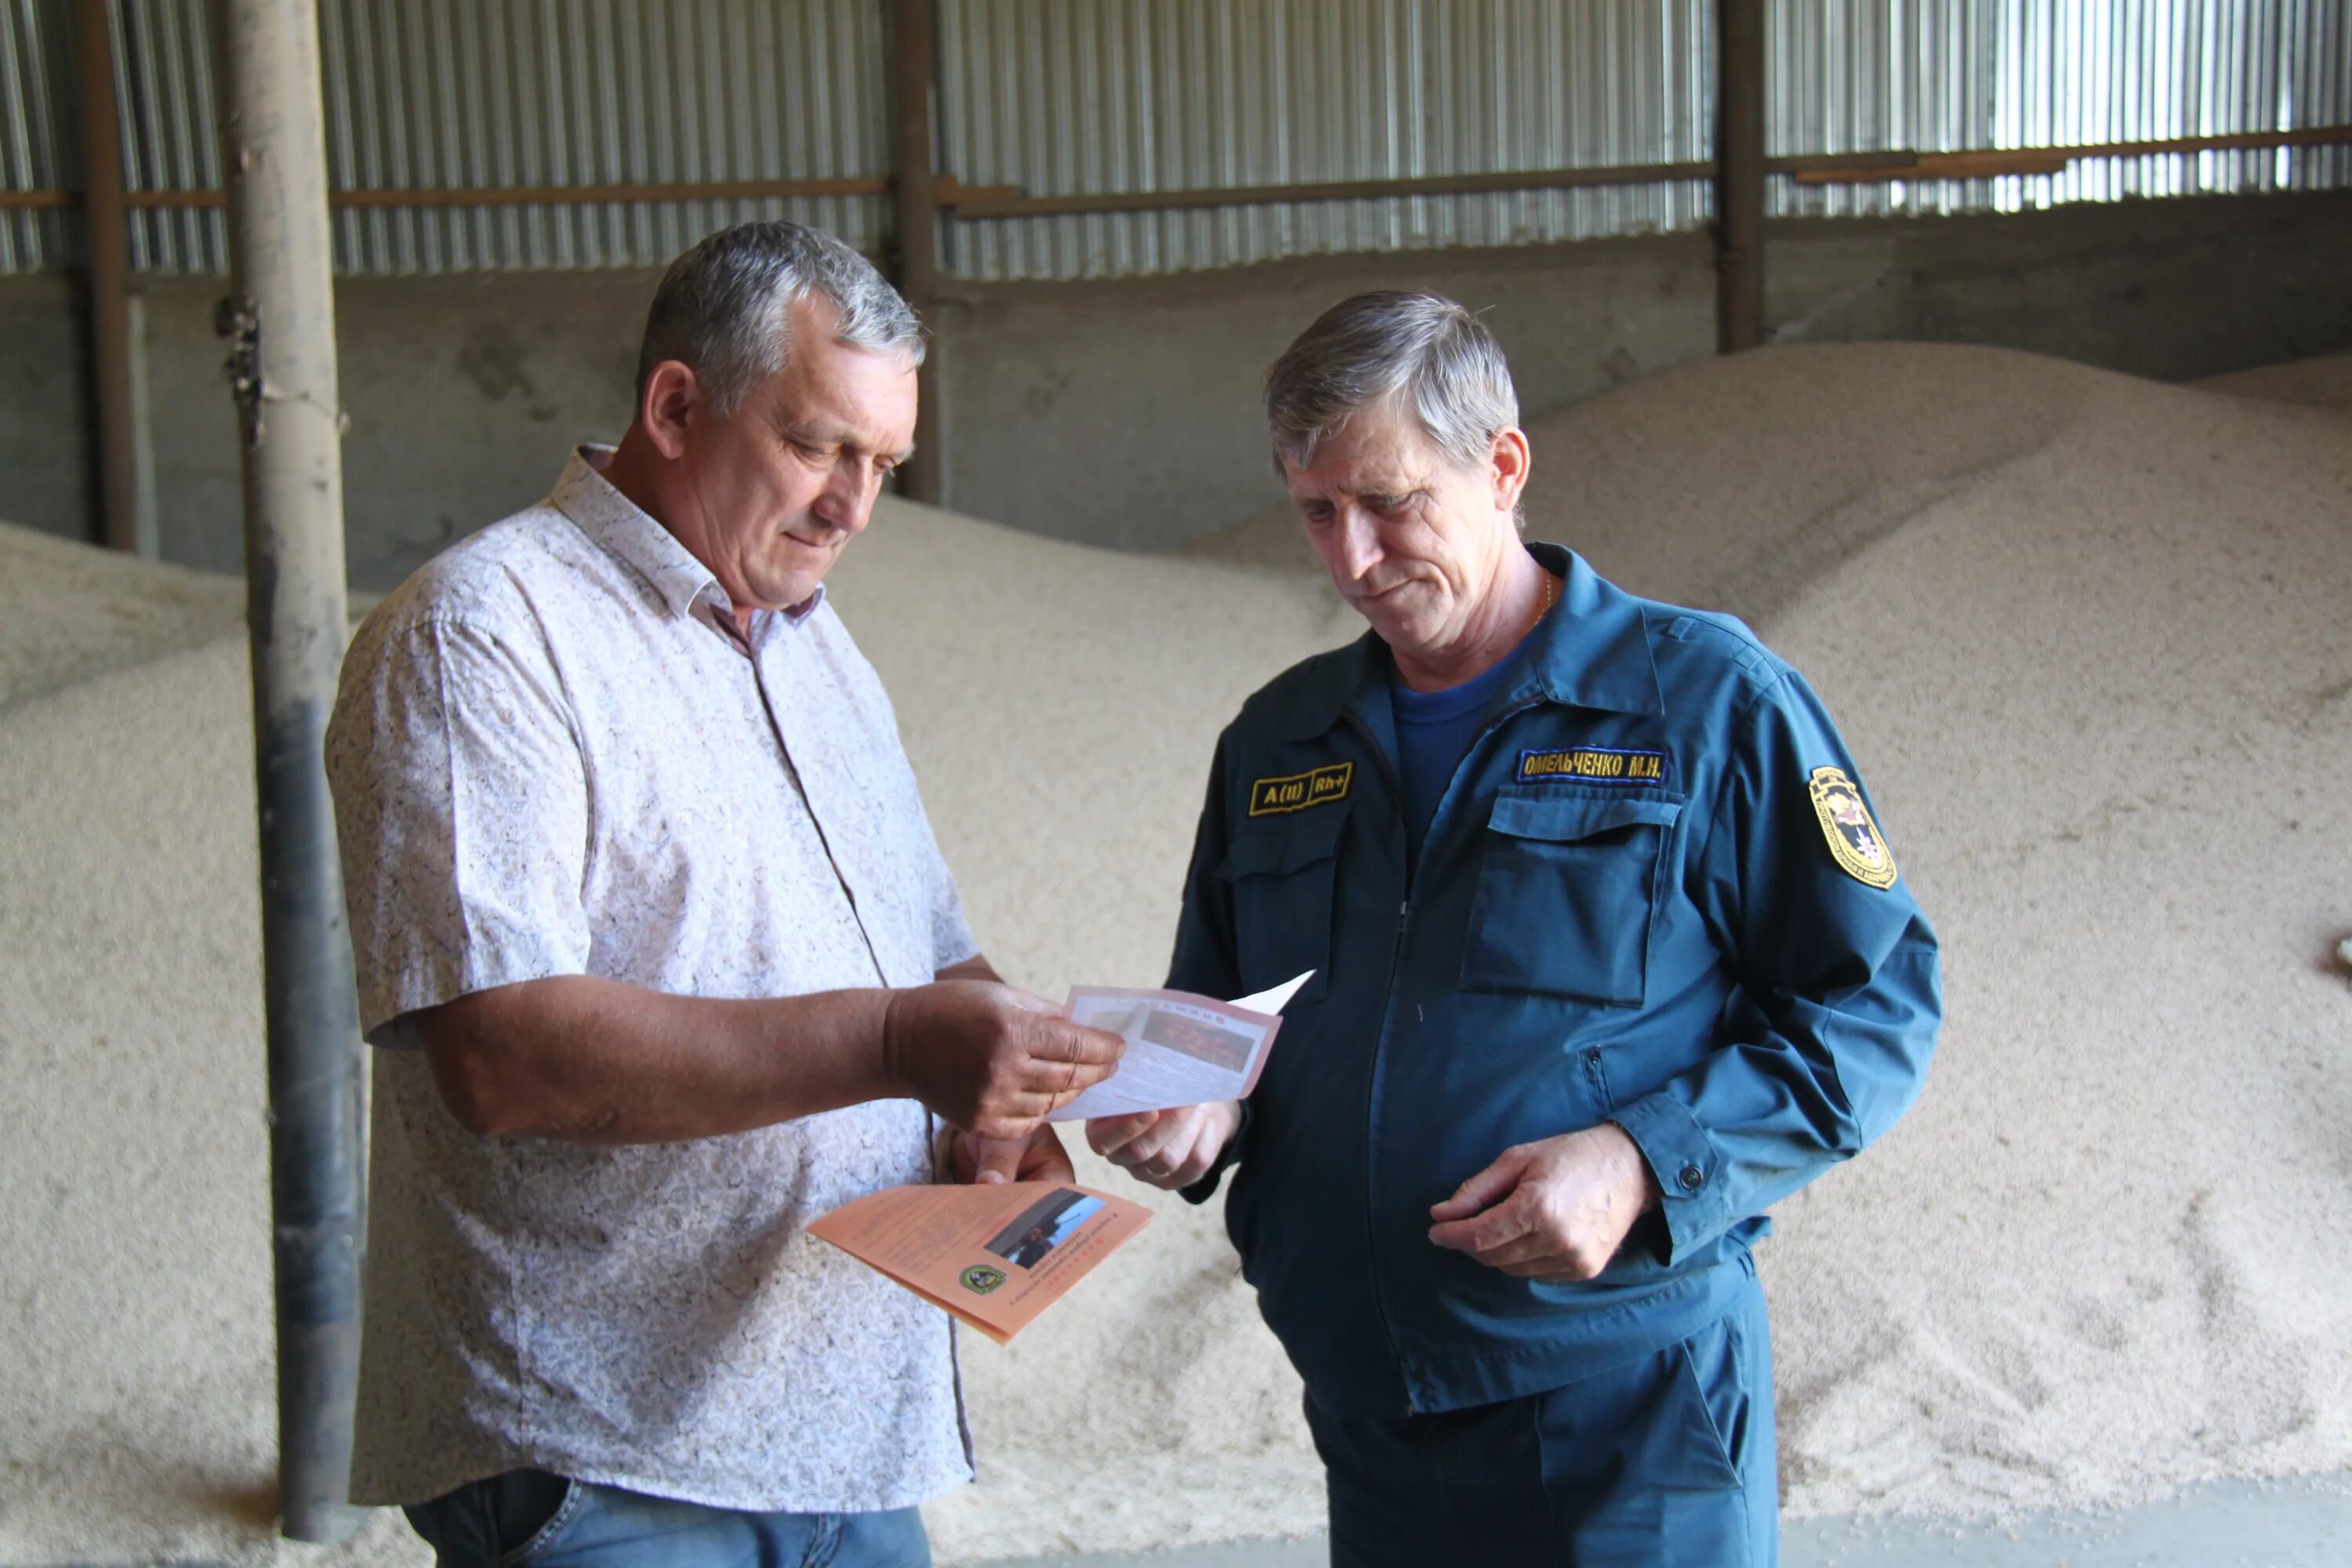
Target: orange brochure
[{"x": 995, "y": 1256}]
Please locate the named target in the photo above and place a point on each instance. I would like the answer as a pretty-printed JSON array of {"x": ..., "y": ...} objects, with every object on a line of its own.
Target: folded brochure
[
  {"x": 1182, "y": 1050},
  {"x": 994, "y": 1254}
]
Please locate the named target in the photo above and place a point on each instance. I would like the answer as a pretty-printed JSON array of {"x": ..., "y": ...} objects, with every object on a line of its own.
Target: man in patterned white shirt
[{"x": 665, "y": 962}]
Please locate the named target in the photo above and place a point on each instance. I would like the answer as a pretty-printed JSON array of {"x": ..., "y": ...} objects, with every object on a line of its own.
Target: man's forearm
[{"x": 597, "y": 1061}]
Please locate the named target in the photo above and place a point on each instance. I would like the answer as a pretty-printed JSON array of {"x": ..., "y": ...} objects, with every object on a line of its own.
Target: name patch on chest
[
  {"x": 1296, "y": 792},
  {"x": 1592, "y": 764}
]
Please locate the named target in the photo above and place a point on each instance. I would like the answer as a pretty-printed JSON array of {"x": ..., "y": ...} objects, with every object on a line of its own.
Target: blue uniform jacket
[{"x": 1653, "y": 894}]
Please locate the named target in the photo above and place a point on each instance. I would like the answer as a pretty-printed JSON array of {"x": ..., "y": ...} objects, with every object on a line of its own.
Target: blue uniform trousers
[{"x": 1664, "y": 1462}]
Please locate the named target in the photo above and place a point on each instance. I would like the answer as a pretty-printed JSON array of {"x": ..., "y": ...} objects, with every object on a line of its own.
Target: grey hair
[
  {"x": 1423, "y": 350},
  {"x": 723, "y": 309}
]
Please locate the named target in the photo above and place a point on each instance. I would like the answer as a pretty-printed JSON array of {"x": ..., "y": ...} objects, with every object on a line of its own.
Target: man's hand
[
  {"x": 1168, "y": 1149},
  {"x": 1557, "y": 1209},
  {"x": 1041, "y": 1158},
  {"x": 991, "y": 1059}
]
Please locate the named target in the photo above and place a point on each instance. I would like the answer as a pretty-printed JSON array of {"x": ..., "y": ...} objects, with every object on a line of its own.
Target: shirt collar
[
  {"x": 584, "y": 495},
  {"x": 1591, "y": 651}
]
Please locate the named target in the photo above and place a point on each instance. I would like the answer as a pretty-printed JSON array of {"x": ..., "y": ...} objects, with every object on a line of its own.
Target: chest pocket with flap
[
  {"x": 1282, "y": 880},
  {"x": 1566, "y": 889}
]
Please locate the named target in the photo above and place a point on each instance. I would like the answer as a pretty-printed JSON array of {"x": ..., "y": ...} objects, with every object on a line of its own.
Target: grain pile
[
  {"x": 1061, "y": 712},
  {"x": 2325, "y": 382},
  {"x": 74, "y": 612},
  {"x": 2086, "y": 636}
]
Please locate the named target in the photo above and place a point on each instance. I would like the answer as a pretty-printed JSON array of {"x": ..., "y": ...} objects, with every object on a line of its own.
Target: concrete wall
[
  {"x": 464, "y": 393},
  {"x": 1124, "y": 413}
]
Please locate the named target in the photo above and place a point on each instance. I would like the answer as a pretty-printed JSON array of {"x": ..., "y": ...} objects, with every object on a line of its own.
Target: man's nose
[
  {"x": 846, "y": 502},
  {"x": 1358, "y": 541}
]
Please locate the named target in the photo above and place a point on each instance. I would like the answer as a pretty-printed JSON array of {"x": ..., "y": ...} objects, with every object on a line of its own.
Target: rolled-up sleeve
[
  {"x": 461, "y": 806},
  {"x": 1840, "y": 998}
]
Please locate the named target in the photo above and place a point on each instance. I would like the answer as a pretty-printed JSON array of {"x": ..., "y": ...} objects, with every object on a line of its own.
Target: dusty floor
[{"x": 2302, "y": 1523}]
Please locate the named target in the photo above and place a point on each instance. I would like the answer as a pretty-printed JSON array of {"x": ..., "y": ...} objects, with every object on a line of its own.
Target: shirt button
[{"x": 1692, "y": 1178}]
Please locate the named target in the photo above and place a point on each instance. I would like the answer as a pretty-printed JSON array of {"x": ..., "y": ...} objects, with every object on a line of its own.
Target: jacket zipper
[
  {"x": 1388, "y": 1005},
  {"x": 1379, "y": 1057}
]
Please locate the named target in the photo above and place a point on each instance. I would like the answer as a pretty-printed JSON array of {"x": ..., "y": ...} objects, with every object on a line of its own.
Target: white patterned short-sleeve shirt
[{"x": 551, "y": 754}]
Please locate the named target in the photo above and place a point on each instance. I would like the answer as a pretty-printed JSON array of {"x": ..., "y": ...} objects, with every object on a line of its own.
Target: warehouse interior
[{"x": 1992, "y": 359}]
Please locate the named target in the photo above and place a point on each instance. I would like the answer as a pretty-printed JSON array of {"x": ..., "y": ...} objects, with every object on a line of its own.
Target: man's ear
[
  {"x": 673, "y": 399},
  {"x": 1511, "y": 460}
]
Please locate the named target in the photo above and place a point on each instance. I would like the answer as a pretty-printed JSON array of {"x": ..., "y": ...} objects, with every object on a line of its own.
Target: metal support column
[
  {"x": 925, "y": 479},
  {"x": 280, "y": 320},
  {"x": 126, "y": 505},
  {"x": 1739, "y": 174}
]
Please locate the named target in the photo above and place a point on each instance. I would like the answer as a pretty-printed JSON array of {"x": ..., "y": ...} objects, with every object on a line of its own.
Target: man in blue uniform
[{"x": 1611, "y": 954}]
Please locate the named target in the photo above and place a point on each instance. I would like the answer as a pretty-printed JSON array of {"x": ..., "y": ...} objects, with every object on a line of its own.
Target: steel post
[
  {"x": 280, "y": 320},
  {"x": 1739, "y": 177},
  {"x": 126, "y": 506},
  {"x": 925, "y": 479}
]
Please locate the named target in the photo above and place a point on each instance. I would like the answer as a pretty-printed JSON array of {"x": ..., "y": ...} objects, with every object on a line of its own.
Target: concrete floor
[{"x": 2303, "y": 1523}]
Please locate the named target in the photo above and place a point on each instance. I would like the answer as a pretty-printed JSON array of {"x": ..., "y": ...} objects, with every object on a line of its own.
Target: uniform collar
[
  {"x": 1594, "y": 649},
  {"x": 584, "y": 495},
  {"x": 1591, "y": 651}
]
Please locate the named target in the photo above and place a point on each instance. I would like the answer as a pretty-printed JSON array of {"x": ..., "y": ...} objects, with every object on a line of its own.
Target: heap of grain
[{"x": 2085, "y": 636}]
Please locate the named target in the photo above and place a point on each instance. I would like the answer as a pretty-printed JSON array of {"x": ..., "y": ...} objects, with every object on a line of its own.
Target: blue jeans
[
  {"x": 530, "y": 1517},
  {"x": 1669, "y": 1459}
]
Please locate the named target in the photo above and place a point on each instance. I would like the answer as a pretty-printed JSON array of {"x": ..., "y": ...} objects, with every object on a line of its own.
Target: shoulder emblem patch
[
  {"x": 1592, "y": 764},
  {"x": 1855, "y": 842},
  {"x": 1296, "y": 792}
]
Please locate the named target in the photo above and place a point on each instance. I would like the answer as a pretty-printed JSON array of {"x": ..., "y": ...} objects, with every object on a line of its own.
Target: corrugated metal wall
[
  {"x": 1953, "y": 75},
  {"x": 171, "y": 141},
  {"x": 1065, "y": 97},
  {"x": 1135, "y": 95},
  {"x": 460, "y": 93},
  {"x": 474, "y": 93},
  {"x": 38, "y": 147}
]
